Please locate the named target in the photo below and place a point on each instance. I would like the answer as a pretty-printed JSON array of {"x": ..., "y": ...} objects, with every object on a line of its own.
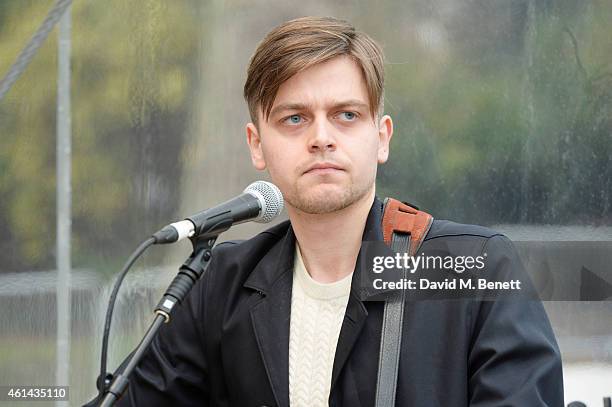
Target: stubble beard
[{"x": 322, "y": 202}]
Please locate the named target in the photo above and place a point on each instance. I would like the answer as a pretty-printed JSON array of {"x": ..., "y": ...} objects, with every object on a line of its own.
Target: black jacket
[{"x": 228, "y": 343}]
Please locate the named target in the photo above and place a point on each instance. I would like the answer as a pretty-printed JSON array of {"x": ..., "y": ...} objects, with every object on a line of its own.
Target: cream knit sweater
[{"x": 317, "y": 312}]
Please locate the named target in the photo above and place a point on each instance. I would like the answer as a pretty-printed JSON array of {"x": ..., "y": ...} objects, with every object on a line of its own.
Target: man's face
[{"x": 320, "y": 143}]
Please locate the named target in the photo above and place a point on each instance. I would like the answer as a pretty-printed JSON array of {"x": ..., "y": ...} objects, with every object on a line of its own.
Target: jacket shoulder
[
  {"x": 446, "y": 228},
  {"x": 242, "y": 256},
  {"x": 462, "y": 239},
  {"x": 261, "y": 240}
]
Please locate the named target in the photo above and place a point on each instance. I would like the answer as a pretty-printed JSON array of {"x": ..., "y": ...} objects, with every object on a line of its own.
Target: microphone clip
[{"x": 192, "y": 269}]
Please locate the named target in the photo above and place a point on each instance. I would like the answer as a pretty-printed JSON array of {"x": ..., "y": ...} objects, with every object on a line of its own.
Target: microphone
[{"x": 260, "y": 202}]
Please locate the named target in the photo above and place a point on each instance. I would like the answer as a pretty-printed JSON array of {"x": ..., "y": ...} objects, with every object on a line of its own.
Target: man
[{"x": 278, "y": 320}]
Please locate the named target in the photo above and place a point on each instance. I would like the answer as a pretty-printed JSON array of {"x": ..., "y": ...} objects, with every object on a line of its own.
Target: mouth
[{"x": 323, "y": 168}]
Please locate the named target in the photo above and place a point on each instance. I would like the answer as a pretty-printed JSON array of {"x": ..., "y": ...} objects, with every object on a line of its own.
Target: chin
[{"x": 322, "y": 198}]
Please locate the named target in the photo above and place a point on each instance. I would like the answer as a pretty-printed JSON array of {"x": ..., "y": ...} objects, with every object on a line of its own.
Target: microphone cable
[{"x": 103, "y": 380}]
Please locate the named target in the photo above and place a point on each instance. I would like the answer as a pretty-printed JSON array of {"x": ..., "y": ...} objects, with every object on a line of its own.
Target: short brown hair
[{"x": 301, "y": 43}]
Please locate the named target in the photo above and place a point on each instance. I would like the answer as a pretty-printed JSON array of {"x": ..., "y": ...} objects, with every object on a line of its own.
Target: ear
[
  {"x": 385, "y": 132},
  {"x": 254, "y": 142}
]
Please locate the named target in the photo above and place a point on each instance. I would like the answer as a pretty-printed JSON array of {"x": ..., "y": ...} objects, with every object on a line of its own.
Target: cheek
[
  {"x": 278, "y": 161},
  {"x": 365, "y": 154}
]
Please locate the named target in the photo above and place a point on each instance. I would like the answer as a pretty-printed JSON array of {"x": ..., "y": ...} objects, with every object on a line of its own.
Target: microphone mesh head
[{"x": 270, "y": 198}]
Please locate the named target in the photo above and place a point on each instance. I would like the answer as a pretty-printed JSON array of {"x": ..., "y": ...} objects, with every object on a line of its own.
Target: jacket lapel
[
  {"x": 270, "y": 316},
  {"x": 354, "y": 320},
  {"x": 356, "y": 313}
]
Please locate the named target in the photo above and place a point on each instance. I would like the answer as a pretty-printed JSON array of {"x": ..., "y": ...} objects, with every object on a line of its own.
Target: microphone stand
[{"x": 190, "y": 272}]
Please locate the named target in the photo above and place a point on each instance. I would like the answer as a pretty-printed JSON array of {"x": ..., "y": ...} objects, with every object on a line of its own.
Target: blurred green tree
[{"x": 132, "y": 81}]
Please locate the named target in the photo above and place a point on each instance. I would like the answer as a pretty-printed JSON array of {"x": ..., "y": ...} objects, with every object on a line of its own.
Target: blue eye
[
  {"x": 295, "y": 119},
  {"x": 349, "y": 116}
]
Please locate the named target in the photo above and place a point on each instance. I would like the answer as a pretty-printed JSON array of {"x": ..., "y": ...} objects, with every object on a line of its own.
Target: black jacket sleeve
[
  {"x": 173, "y": 371},
  {"x": 514, "y": 359}
]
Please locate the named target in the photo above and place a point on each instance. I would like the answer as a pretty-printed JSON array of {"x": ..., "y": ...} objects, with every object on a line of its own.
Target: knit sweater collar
[{"x": 315, "y": 289}]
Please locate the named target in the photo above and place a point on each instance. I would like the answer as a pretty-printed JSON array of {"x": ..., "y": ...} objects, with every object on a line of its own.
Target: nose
[{"x": 322, "y": 137}]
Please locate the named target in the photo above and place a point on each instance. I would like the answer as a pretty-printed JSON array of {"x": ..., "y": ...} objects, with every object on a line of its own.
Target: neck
[{"x": 330, "y": 242}]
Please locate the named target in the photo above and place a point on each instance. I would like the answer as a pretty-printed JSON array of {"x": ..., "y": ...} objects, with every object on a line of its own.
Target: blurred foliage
[
  {"x": 131, "y": 88},
  {"x": 505, "y": 115},
  {"x": 502, "y": 111}
]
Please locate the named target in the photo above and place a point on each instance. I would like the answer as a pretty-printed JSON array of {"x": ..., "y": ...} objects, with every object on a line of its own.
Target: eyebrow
[{"x": 303, "y": 106}]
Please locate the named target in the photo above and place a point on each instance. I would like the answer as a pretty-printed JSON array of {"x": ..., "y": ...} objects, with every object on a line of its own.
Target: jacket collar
[
  {"x": 280, "y": 257},
  {"x": 272, "y": 278}
]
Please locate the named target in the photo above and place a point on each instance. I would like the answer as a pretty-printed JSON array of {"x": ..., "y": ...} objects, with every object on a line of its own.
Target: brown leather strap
[
  {"x": 402, "y": 218},
  {"x": 404, "y": 228}
]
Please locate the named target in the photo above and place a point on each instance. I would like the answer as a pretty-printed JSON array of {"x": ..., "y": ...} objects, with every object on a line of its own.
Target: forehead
[{"x": 331, "y": 81}]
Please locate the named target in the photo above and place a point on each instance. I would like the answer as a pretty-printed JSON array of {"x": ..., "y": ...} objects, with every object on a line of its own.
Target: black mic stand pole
[{"x": 189, "y": 273}]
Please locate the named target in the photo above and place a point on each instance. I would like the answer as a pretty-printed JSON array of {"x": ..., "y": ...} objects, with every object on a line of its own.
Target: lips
[{"x": 323, "y": 168}]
